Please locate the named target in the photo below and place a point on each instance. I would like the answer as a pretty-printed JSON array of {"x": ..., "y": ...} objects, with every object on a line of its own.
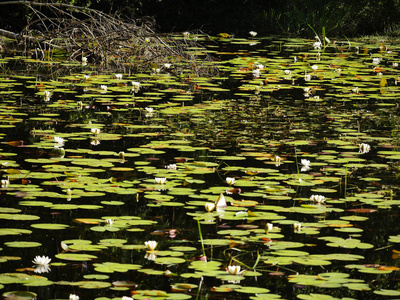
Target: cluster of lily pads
[{"x": 281, "y": 171}]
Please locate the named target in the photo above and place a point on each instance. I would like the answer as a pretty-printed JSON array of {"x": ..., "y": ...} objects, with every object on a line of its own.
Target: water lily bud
[
  {"x": 230, "y": 180},
  {"x": 297, "y": 227},
  {"x": 221, "y": 202},
  {"x": 269, "y": 227},
  {"x": 209, "y": 206},
  {"x": 47, "y": 96}
]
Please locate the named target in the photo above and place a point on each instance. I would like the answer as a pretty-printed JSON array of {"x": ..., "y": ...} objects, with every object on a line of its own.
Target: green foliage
[
  {"x": 338, "y": 17},
  {"x": 343, "y": 17}
]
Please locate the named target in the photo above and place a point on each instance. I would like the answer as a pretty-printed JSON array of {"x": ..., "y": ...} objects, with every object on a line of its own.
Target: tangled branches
[{"x": 106, "y": 40}]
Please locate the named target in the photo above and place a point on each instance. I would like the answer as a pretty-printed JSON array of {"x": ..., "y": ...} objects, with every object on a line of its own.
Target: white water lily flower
[
  {"x": 314, "y": 67},
  {"x": 103, "y": 87},
  {"x": 126, "y": 298},
  {"x": 95, "y": 131},
  {"x": 277, "y": 159},
  {"x": 42, "y": 264},
  {"x": 307, "y": 91},
  {"x": 305, "y": 165},
  {"x": 109, "y": 221},
  {"x": 186, "y": 35},
  {"x": 307, "y": 77},
  {"x": 171, "y": 167},
  {"x": 317, "y": 198},
  {"x": 136, "y": 86},
  {"x": 69, "y": 192},
  {"x": 269, "y": 227},
  {"x": 230, "y": 180},
  {"x": 160, "y": 180},
  {"x": 118, "y": 76},
  {"x": 355, "y": 90},
  {"x": 376, "y": 60},
  {"x": 5, "y": 183},
  {"x": 364, "y": 148},
  {"x": 167, "y": 66},
  {"x": 253, "y": 33},
  {"x": 287, "y": 72},
  {"x": 234, "y": 270},
  {"x": 42, "y": 261},
  {"x": 86, "y": 77},
  {"x": 149, "y": 110},
  {"x": 84, "y": 61},
  {"x": 395, "y": 65},
  {"x": 59, "y": 140},
  {"x": 317, "y": 45},
  {"x": 209, "y": 206},
  {"x": 47, "y": 96},
  {"x": 297, "y": 227},
  {"x": 256, "y": 73},
  {"x": 151, "y": 245},
  {"x": 73, "y": 297}
]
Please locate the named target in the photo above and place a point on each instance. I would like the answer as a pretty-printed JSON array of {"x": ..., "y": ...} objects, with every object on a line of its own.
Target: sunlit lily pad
[
  {"x": 93, "y": 284},
  {"x": 169, "y": 260},
  {"x": 385, "y": 292},
  {"x": 50, "y": 226},
  {"x": 75, "y": 256},
  {"x": 22, "y": 244},
  {"x": 26, "y": 295},
  {"x": 14, "y": 231}
]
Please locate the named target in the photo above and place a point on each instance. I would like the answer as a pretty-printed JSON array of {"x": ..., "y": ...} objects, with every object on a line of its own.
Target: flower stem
[
  {"x": 201, "y": 237},
  {"x": 297, "y": 163},
  {"x": 345, "y": 181}
]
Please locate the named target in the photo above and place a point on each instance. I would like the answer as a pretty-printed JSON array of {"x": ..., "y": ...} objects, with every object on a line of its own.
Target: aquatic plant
[
  {"x": 42, "y": 264},
  {"x": 151, "y": 245}
]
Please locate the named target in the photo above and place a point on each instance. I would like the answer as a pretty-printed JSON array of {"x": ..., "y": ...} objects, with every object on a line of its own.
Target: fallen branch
[{"x": 105, "y": 39}]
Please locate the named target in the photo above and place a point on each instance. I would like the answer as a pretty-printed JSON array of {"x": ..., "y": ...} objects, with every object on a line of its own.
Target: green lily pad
[
  {"x": 22, "y": 244},
  {"x": 50, "y": 226},
  {"x": 75, "y": 256}
]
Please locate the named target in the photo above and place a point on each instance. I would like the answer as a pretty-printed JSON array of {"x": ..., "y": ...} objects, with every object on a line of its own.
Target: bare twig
[{"x": 105, "y": 39}]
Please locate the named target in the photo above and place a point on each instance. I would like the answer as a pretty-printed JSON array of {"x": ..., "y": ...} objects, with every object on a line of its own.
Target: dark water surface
[{"x": 256, "y": 122}]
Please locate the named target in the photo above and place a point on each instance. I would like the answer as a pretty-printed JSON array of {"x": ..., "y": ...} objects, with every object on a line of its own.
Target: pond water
[{"x": 301, "y": 143}]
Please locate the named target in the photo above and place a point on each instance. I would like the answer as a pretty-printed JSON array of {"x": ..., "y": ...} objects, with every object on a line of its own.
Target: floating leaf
[
  {"x": 22, "y": 244},
  {"x": 75, "y": 256}
]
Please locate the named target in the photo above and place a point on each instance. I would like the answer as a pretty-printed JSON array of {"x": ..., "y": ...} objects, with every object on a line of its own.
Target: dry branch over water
[{"x": 107, "y": 40}]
